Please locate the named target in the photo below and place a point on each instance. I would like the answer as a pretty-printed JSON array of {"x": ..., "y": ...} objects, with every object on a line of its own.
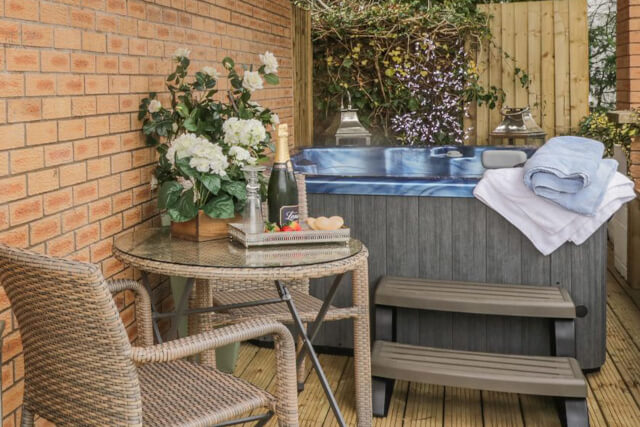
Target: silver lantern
[{"x": 350, "y": 131}]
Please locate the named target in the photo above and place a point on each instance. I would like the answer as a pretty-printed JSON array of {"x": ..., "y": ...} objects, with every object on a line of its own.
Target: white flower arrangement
[
  {"x": 252, "y": 81},
  {"x": 241, "y": 156},
  {"x": 270, "y": 63},
  {"x": 203, "y": 156},
  {"x": 243, "y": 132}
]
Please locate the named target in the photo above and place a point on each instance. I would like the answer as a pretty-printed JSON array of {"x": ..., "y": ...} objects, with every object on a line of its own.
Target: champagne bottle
[{"x": 282, "y": 194}]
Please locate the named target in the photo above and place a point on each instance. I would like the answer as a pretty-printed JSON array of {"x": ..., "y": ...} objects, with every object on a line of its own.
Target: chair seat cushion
[
  {"x": 308, "y": 306},
  {"x": 182, "y": 393}
]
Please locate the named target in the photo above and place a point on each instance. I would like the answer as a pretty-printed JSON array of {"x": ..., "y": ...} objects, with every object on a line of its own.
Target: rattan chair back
[{"x": 78, "y": 367}]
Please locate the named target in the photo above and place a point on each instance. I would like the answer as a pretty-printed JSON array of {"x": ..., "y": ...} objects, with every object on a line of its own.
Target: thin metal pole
[
  {"x": 262, "y": 420},
  {"x": 154, "y": 323},
  {"x": 286, "y": 297},
  {"x": 219, "y": 308},
  {"x": 315, "y": 327}
]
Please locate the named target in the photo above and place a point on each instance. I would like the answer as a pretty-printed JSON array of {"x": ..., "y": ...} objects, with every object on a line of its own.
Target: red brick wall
[{"x": 74, "y": 171}]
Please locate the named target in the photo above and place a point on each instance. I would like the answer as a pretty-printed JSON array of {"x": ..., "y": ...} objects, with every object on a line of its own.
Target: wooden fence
[
  {"x": 303, "y": 78},
  {"x": 549, "y": 41}
]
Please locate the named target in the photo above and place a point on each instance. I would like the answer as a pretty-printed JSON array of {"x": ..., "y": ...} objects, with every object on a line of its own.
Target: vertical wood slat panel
[
  {"x": 481, "y": 119},
  {"x": 549, "y": 40},
  {"x": 303, "y": 77},
  {"x": 547, "y": 72}
]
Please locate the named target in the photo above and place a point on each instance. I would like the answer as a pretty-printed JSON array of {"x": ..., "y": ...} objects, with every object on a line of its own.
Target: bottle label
[{"x": 289, "y": 214}]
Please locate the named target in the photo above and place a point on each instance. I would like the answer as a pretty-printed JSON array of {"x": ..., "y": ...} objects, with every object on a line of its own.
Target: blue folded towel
[
  {"x": 587, "y": 200},
  {"x": 565, "y": 164}
]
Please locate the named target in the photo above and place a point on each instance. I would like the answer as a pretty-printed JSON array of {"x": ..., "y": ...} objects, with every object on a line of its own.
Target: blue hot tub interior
[{"x": 408, "y": 171}]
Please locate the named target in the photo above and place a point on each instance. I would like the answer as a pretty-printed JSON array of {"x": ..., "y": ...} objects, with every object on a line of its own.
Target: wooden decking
[{"x": 614, "y": 391}]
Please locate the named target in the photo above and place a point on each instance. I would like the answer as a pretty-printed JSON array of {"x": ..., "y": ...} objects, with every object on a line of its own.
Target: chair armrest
[
  {"x": 195, "y": 344},
  {"x": 143, "y": 307}
]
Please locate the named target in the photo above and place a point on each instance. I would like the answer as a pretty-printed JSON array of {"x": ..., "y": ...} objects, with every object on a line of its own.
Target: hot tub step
[
  {"x": 548, "y": 302},
  {"x": 548, "y": 376}
]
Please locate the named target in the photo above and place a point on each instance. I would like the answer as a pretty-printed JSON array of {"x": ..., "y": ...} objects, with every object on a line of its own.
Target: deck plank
[
  {"x": 462, "y": 407},
  {"x": 538, "y": 411},
  {"x": 424, "y": 406},
  {"x": 501, "y": 409}
]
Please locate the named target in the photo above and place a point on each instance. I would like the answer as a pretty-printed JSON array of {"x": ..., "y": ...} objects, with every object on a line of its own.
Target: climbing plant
[{"x": 406, "y": 64}]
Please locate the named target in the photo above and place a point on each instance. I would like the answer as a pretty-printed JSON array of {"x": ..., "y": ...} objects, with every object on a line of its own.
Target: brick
[
  {"x": 9, "y": 32},
  {"x": 55, "y": 62},
  {"x": 83, "y": 18},
  {"x": 101, "y": 250},
  {"x": 70, "y": 129},
  {"x": 130, "y": 179},
  {"x": 44, "y": 229},
  {"x": 83, "y": 63},
  {"x": 23, "y": 110},
  {"x": 22, "y": 60},
  {"x": 56, "y": 108},
  {"x": 26, "y": 160},
  {"x": 58, "y": 154},
  {"x": 108, "y": 185},
  {"x": 82, "y": 255},
  {"x": 11, "y": 347},
  {"x": 131, "y": 217},
  {"x": 96, "y": 84},
  {"x": 18, "y": 237},
  {"x": 129, "y": 66},
  {"x": 21, "y": 9},
  {"x": 120, "y": 162},
  {"x": 99, "y": 210},
  {"x": 74, "y": 219},
  {"x": 137, "y": 47},
  {"x": 25, "y": 210},
  {"x": 73, "y": 174},
  {"x": 11, "y": 136},
  {"x": 42, "y": 181},
  {"x": 107, "y": 64},
  {"x": 94, "y": 42},
  {"x": 61, "y": 246},
  {"x": 139, "y": 84},
  {"x": 42, "y": 132},
  {"x": 84, "y": 193},
  {"x": 107, "y": 104},
  {"x": 106, "y": 23},
  {"x": 110, "y": 226},
  {"x": 118, "y": 84},
  {"x": 98, "y": 125},
  {"x": 122, "y": 201},
  {"x": 41, "y": 84},
  {"x": 70, "y": 85},
  {"x": 13, "y": 188},
  {"x": 4, "y": 163},
  {"x": 54, "y": 13},
  {"x": 83, "y": 105},
  {"x": 119, "y": 123},
  {"x": 11, "y": 85},
  {"x": 37, "y": 35},
  {"x": 132, "y": 140},
  {"x": 129, "y": 103},
  {"x": 97, "y": 168},
  {"x": 87, "y": 235},
  {"x": 117, "y": 44},
  {"x": 85, "y": 148},
  {"x": 58, "y": 201},
  {"x": 67, "y": 38},
  {"x": 109, "y": 144},
  {"x": 117, "y": 6}
]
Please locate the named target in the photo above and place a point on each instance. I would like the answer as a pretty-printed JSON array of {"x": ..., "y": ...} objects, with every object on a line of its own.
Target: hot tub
[{"x": 415, "y": 211}]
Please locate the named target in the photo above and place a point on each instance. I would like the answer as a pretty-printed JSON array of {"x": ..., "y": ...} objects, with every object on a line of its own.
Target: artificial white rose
[
  {"x": 155, "y": 106},
  {"x": 259, "y": 108},
  {"x": 174, "y": 127},
  {"x": 187, "y": 184},
  {"x": 252, "y": 81},
  {"x": 181, "y": 52},
  {"x": 211, "y": 72},
  {"x": 201, "y": 164},
  {"x": 275, "y": 119},
  {"x": 241, "y": 156},
  {"x": 154, "y": 182},
  {"x": 270, "y": 63}
]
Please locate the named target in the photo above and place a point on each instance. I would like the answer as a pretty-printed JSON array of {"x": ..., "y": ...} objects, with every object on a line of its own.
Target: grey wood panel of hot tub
[{"x": 461, "y": 239}]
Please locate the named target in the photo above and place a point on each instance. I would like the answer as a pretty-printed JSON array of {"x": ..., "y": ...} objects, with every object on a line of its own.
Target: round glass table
[{"x": 154, "y": 250}]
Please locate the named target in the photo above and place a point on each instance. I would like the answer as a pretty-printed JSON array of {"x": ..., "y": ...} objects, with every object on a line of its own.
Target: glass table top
[{"x": 157, "y": 244}]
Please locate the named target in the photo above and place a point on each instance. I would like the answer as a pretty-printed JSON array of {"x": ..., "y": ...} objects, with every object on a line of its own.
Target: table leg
[
  {"x": 154, "y": 320},
  {"x": 181, "y": 307},
  {"x": 286, "y": 297},
  {"x": 362, "y": 345}
]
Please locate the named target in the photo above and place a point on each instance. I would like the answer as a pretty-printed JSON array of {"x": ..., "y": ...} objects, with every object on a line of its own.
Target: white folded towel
[{"x": 545, "y": 223}]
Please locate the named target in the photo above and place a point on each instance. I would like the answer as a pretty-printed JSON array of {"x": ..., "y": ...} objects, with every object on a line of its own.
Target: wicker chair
[
  {"x": 80, "y": 368},
  {"x": 212, "y": 293}
]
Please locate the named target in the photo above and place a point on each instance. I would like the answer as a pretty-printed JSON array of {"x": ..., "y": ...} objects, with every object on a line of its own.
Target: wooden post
[{"x": 303, "y": 77}]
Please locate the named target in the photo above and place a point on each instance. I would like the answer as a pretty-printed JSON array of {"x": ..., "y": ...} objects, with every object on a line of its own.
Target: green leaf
[
  {"x": 347, "y": 63},
  {"x": 413, "y": 104},
  {"x": 185, "y": 209},
  {"x": 183, "y": 166},
  {"x": 228, "y": 63},
  {"x": 183, "y": 110},
  {"x": 272, "y": 79},
  {"x": 169, "y": 193},
  {"x": 220, "y": 207},
  {"x": 237, "y": 189},
  {"x": 211, "y": 182}
]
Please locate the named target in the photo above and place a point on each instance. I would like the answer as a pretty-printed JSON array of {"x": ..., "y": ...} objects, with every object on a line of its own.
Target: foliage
[
  {"x": 598, "y": 126},
  {"x": 364, "y": 47},
  {"x": 602, "y": 54},
  {"x": 203, "y": 143}
]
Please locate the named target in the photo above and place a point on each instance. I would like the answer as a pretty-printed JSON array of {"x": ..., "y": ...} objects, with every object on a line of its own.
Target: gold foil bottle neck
[{"x": 282, "y": 145}]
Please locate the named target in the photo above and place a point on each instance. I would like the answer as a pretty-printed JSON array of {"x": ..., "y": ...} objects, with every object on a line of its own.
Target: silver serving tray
[{"x": 306, "y": 236}]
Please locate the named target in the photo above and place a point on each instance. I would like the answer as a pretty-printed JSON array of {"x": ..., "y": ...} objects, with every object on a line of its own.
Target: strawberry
[{"x": 287, "y": 228}]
